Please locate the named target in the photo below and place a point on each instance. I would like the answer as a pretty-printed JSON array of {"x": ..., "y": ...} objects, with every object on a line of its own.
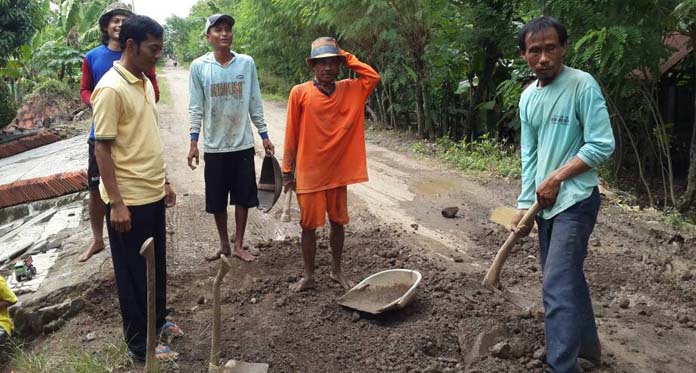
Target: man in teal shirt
[
  {"x": 224, "y": 98},
  {"x": 566, "y": 135}
]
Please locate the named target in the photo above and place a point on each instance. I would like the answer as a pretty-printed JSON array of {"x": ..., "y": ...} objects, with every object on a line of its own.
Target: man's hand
[
  {"x": 120, "y": 217},
  {"x": 547, "y": 192},
  {"x": 270, "y": 149},
  {"x": 193, "y": 153},
  {"x": 169, "y": 196},
  {"x": 522, "y": 231}
]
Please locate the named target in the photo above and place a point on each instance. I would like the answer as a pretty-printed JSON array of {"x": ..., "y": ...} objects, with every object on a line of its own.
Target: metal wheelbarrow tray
[{"x": 383, "y": 291}]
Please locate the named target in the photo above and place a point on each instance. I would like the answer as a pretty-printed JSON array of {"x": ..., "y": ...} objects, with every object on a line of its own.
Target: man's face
[
  {"x": 326, "y": 69},
  {"x": 114, "y": 26},
  {"x": 146, "y": 55},
  {"x": 544, "y": 54},
  {"x": 220, "y": 35}
]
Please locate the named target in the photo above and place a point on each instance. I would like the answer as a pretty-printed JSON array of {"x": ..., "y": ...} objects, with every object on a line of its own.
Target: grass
[
  {"x": 274, "y": 97},
  {"x": 165, "y": 92},
  {"x": 112, "y": 358},
  {"x": 485, "y": 155}
]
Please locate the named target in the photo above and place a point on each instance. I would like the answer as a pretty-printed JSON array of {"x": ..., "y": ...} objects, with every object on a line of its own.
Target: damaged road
[{"x": 641, "y": 274}]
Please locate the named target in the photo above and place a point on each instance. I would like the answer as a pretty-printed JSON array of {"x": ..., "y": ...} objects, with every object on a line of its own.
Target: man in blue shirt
[{"x": 566, "y": 135}]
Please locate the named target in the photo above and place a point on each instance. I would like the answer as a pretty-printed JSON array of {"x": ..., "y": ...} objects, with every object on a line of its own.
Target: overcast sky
[{"x": 161, "y": 9}]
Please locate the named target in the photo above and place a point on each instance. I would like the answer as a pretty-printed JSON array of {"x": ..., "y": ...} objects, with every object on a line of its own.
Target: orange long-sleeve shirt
[{"x": 325, "y": 135}]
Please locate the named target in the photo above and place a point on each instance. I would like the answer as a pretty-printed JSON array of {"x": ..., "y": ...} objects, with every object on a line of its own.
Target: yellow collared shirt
[{"x": 125, "y": 112}]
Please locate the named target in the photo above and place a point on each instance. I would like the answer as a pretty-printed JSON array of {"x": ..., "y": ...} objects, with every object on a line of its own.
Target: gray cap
[{"x": 215, "y": 18}]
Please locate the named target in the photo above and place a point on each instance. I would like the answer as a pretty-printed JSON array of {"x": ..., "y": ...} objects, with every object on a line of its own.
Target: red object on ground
[{"x": 41, "y": 188}]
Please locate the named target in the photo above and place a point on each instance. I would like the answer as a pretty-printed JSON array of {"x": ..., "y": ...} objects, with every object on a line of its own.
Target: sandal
[
  {"x": 169, "y": 329},
  {"x": 162, "y": 353}
]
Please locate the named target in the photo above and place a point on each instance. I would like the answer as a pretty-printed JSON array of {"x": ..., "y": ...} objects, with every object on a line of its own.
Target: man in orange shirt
[{"x": 325, "y": 149}]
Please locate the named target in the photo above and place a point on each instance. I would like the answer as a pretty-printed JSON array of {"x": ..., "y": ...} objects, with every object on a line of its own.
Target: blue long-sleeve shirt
[
  {"x": 222, "y": 101},
  {"x": 560, "y": 121}
]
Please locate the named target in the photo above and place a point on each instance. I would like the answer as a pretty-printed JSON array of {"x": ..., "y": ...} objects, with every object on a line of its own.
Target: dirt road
[{"x": 641, "y": 274}]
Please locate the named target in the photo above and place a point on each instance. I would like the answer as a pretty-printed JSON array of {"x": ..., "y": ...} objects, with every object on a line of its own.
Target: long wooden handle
[
  {"x": 492, "y": 279},
  {"x": 225, "y": 266},
  {"x": 148, "y": 251},
  {"x": 285, "y": 216}
]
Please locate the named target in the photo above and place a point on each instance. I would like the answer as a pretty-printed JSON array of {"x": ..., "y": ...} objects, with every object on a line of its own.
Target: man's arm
[
  {"x": 256, "y": 110},
  {"x": 196, "y": 104},
  {"x": 292, "y": 127},
  {"x": 598, "y": 144},
  {"x": 120, "y": 216},
  {"x": 86, "y": 83},
  {"x": 107, "y": 111},
  {"x": 367, "y": 76}
]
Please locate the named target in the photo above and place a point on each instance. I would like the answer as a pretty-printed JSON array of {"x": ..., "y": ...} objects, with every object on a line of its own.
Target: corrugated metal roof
[
  {"x": 41, "y": 188},
  {"x": 27, "y": 143}
]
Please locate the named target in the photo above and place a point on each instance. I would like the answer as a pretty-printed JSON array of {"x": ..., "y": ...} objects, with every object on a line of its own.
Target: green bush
[
  {"x": 273, "y": 85},
  {"x": 8, "y": 107},
  {"x": 52, "y": 91},
  {"x": 483, "y": 155}
]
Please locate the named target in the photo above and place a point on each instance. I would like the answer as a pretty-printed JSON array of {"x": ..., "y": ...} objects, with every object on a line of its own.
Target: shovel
[
  {"x": 232, "y": 366},
  {"x": 148, "y": 251},
  {"x": 492, "y": 279}
]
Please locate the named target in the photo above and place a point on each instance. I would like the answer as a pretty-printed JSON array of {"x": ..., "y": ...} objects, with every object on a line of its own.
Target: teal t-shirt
[
  {"x": 564, "y": 119},
  {"x": 222, "y": 101}
]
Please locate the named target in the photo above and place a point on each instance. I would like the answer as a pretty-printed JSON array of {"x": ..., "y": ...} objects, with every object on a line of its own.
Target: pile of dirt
[{"x": 453, "y": 324}]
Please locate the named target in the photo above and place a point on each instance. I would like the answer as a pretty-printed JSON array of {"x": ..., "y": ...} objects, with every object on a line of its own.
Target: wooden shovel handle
[
  {"x": 225, "y": 266},
  {"x": 492, "y": 279},
  {"x": 285, "y": 216},
  {"x": 147, "y": 250}
]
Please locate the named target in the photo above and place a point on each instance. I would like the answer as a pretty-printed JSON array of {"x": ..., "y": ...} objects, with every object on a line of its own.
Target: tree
[
  {"x": 19, "y": 19},
  {"x": 685, "y": 13}
]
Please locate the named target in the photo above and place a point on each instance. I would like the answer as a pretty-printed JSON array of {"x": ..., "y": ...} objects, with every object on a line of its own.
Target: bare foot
[
  {"x": 342, "y": 280},
  {"x": 225, "y": 250},
  {"x": 244, "y": 255},
  {"x": 93, "y": 249},
  {"x": 303, "y": 284}
]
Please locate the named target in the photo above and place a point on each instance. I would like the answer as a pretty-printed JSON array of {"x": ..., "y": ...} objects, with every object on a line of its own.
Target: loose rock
[
  {"x": 624, "y": 303},
  {"x": 450, "y": 212},
  {"x": 501, "y": 350}
]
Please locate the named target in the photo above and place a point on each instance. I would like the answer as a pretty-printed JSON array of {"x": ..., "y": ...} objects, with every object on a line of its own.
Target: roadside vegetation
[
  {"x": 112, "y": 358},
  {"x": 451, "y": 71}
]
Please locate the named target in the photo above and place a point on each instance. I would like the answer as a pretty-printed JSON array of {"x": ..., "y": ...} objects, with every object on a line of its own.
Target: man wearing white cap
[{"x": 224, "y": 96}]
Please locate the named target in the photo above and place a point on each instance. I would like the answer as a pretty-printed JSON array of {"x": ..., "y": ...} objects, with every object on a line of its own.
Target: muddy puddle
[
  {"x": 502, "y": 215},
  {"x": 373, "y": 298}
]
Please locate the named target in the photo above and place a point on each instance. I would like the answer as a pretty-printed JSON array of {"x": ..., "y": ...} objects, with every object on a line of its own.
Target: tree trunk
[
  {"x": 687, "y": 199},
  {"x": 427, "y": 114},
  {"x": 419, "y": 110}
]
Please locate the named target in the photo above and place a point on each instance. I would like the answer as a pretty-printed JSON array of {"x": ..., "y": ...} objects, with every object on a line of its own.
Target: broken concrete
[{"x": 54, "y": 232}]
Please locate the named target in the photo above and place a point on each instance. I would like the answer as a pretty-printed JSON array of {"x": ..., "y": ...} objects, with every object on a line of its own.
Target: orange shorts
[{"x": 314, "y": 207}]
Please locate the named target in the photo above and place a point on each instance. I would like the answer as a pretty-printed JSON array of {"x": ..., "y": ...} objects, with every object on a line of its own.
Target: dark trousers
[
  {"x": 130, "y": 270},
  {"x": 569, "y": 323}
]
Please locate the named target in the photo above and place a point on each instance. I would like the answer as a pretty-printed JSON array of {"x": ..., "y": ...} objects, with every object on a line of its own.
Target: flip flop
[
  {"x": 169, "y": 329},
  {"x": 162, "y": 353}
]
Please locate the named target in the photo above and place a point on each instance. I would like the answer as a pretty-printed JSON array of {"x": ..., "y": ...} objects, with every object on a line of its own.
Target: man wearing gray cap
[{"x": 224, "y": 96}]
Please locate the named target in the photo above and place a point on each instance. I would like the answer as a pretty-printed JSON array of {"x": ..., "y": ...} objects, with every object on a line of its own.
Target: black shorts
[
  {"x": 92, "y": 168},
  {"x": 230, "y": 174}
]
